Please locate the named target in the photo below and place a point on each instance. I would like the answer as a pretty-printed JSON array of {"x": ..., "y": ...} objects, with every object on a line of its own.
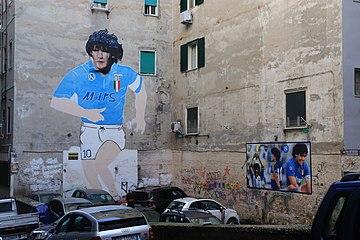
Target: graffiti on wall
[
  {"x": 96, "y": 91},
  {"x": 279, "y": 166}
]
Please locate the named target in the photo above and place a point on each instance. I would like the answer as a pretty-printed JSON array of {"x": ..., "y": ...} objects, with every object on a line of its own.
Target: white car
[
  {"x": 210, "y": 205},
  {"x": 102, "y": 222}
]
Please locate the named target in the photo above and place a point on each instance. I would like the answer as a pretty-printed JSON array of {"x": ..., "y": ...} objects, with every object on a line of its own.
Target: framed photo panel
[{"x": 279, "y": 166}]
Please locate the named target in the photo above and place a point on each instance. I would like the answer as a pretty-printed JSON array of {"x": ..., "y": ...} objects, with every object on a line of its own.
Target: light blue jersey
[
  {"x": 299, "y": 172},
  {"x": 94, "y": 91}
]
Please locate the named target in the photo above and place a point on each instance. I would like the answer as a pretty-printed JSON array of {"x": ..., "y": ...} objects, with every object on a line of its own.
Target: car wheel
[{"x": 232, "y": 221}]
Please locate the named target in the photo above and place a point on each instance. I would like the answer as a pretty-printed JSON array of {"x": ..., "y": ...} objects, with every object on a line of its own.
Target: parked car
[
  {"x": 44, "y": 196},
  {"x": 96, "y": 196},
  {"x": 190, "y": 216},
  {"x": 338, "y": 216},
  {"x": 227, "y": 215},
  {"x": 60, "y": 206},
  {"x": 156, "y": 197},
  {"x": 151, "y": 214},
  {"x": 103, "y": 222}
]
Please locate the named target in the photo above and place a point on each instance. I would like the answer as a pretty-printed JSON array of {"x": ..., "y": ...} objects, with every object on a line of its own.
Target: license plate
[
  {"x": 130, "y": 237},
  {"x": 19, "y": 236}
]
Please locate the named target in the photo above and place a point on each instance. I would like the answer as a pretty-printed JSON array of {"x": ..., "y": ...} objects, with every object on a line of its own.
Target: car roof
[
  {"x": 46, "y": 193},
  {"x": 155, "y": 188},
  {"x": 70, "y": 200},
  {"x": 112, "y": 212},
  {"x": 92, "y": 191},
  {"x": 191, "y": 199}
]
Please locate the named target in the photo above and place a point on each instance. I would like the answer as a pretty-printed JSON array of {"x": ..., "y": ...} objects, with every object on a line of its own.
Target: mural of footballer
[{"x": 96, "y": 92}]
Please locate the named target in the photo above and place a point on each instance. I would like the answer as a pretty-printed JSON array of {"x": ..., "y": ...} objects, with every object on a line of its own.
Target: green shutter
[
  {"x": 201, "y": 52},
  {"x": 184, "y": 58},
  {"x": 147, "y": 62},
  {"x": 151, "y": 2},
  {"x": 100, "y": 1},
  {"x": 198, "y": 2},
  {"x": 183, "y": 5}
]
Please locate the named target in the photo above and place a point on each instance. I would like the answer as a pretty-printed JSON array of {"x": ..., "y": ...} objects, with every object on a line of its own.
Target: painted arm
[
  {"x": 140, "y": 104},
  {"x": 276, "y": 176},
  {"x": 293, "y": 183},
  {"x": 68, "y": 106}
]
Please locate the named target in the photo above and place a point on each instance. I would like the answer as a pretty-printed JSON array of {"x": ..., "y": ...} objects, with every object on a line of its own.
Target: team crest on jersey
[
  {"x": 91, "y": 76},
  {"x": 117, "y": 82}
]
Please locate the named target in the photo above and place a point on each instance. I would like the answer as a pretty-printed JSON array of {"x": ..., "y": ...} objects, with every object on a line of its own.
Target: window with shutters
[
  {"x": 189, "y": 4},
  {"x": 192, "y": 120},
  {"x": 192, "y": 55},
  {"x": 147, "y": 62},
  {"x": 102, "y": 5},
  {"x": 151, "y": 7},
  {"x": 295, "y": 109},
  {"x": 357, "y": 82}
]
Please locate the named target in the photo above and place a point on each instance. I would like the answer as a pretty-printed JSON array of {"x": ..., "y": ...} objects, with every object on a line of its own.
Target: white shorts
[{"x": 92, "y": 136}]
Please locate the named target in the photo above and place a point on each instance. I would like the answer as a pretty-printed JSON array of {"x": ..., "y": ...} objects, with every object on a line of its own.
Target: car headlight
[{"x": 39, "y": 235}]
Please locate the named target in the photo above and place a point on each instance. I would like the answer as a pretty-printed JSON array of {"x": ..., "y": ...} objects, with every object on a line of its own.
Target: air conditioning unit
[
  {"x": 175, "y": 127},
  {"x": 186, "y": 17}
]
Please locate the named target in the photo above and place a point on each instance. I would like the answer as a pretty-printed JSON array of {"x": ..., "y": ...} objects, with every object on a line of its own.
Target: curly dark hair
[
  {"x": 299, "y": 148},
  {"x": 107, "y": 41},
  {"x": 276, "y": 153}
]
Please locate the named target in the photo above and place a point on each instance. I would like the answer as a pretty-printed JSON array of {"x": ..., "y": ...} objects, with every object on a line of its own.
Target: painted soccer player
[
  {"x": 275, "y": 169},
  {"x": 96, "y": 92},
  {"x": 298, "y": 171}
]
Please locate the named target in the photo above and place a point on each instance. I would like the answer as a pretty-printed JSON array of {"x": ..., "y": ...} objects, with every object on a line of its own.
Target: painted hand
[
  {"x": 95, "y": 115},
  {"x": 140, "y": 124}
]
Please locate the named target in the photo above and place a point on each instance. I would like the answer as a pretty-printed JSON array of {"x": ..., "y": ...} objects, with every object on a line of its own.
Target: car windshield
[
  {"x": 105, "y": 198},
  {"x": 47, "y": 197},
  {"x": 176, "y": 205},
  {"x": 74, "y": 206}
]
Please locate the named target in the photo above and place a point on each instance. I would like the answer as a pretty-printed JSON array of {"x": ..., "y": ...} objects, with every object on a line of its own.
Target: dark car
[
  {"x": 338, "y": 216},
  {"x": 58, "y": 207},
  {"x": 96, "y": 196},
  {"x": 190, "y": 216},
  {"x": 151, "y": 214},
  {"x": 156, "y": 197}
]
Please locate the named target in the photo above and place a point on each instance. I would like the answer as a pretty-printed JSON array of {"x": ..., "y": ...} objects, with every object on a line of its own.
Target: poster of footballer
[{"x": 281, "y": 166}]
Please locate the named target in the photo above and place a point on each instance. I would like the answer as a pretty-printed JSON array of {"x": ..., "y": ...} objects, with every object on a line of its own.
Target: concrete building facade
[{"x": 225, "y": 71}]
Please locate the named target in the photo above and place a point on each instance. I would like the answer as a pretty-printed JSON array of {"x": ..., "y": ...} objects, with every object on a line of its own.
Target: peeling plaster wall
[{"x": 255, "y": 51}]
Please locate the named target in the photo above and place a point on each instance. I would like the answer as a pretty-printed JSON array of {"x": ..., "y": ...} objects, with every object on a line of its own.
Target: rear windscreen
[
  {"x": 141, "y": 195},
  {"x": 121, "y": 223}
]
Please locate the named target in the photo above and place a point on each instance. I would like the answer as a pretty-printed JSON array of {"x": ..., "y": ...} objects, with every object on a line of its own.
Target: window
[
  {"x": 151, "y": 7},
  {"x": 4, "y": 56},
  {"x": 11, "y": 52},
  {"x": 100, "y": 5},
  {"x": 333, "y": 225},
  {"x": 188, "y": 4},
  {"x": 192, "y": 55},
  {"x": 357, "y": 82},
  {"x": 192, "y": 123},
  {"x": 295, "y": 109},
  {"x": 148, "y": 62},
  {"x": 8, "y": 125}
]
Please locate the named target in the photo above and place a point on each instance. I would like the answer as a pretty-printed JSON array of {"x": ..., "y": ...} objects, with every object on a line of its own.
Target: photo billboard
[{"x": 280, "y": 166}]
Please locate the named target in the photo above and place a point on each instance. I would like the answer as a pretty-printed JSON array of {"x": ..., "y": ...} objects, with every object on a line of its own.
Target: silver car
[{"x": 110, "y": 222}]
